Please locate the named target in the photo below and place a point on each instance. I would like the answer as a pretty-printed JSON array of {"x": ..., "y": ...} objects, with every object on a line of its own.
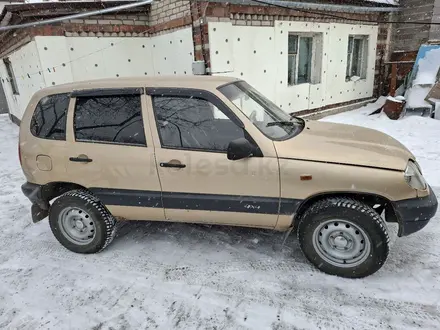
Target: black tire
[
  {"x": 103, "y": 222},
  {"x": 349, "y": 210}
]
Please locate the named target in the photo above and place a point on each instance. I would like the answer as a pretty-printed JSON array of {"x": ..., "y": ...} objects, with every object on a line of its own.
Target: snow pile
[
  {"x": 427, "y": 70},
  {"x": 416, "y": 95},
  {"x": 398, "y": 99}
]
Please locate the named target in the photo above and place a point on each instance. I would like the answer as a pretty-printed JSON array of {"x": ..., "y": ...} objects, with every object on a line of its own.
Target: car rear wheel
[
  {"x": 81, "y": 223},
  {"x": 344, "y": 237}
]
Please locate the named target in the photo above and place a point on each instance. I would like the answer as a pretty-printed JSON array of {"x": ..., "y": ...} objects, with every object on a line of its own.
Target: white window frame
[
  {"x": 363, "y": 57},
  {"x": 315, "y": 70}
]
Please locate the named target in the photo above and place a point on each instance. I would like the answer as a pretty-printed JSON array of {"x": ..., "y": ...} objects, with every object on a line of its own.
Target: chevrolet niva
[{"x": 213, "y": 150}]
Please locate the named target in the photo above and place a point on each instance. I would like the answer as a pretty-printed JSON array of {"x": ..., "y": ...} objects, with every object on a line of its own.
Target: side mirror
[{"x": 239, "y": 149}]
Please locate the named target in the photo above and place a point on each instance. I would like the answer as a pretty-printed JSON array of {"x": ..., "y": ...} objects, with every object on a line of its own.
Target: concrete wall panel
[
  {"x": 29, "y": 77},
  {"x": 56, "y": 60},
  {"x": 260, "y": 57}
]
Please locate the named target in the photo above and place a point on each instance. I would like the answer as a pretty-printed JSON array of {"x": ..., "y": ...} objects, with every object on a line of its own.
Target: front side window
[
  {"x": 193, "y": 123},
  {"x": 49, "y": 118},
  {"x": 109, "y": 119},
  {"x": 11, "y": 76},
  {"x": 264, "y": 114},
  {"x": 303, "y": 53},
  {"x": 357, "y": 57}
]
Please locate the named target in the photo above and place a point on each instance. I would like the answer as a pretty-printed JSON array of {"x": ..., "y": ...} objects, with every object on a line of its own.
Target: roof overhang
[{"x": 40, "y": 10}]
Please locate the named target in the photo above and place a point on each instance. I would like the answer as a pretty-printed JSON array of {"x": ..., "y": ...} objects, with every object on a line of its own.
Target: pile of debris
[{"x": 420, "y": 92}]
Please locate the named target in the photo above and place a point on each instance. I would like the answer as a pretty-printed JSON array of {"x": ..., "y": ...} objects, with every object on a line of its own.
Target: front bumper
[
  {"x": 414, "y": 214},
  {"x": 40, "y": 207}
]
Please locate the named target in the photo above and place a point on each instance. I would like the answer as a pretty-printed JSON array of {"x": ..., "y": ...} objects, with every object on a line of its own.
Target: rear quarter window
[{"x": 49, "y": 118}]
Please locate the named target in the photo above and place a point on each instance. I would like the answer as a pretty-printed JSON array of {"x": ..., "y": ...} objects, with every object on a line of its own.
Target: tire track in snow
[
  {"x": 37, "y": 249},
  {"x": 292, "y": 294},
  {"x": 247, "y": 301},
  {"x": 296, "y": 293}
]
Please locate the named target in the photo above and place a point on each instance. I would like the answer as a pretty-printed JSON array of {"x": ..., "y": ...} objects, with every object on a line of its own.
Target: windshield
[{"x": 263, "y": 113}]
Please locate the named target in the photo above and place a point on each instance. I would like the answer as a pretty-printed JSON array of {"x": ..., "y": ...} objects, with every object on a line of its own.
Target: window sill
[
  {"x": 356, "y": 80},
  {"x": 306, "y": 83}
]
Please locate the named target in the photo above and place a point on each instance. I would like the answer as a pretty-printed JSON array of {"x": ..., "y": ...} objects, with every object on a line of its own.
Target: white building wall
[
  {"x": 259, "y": 56},
  {"x": 57, "y": 60},
  {"x": 25, "y": 63}
]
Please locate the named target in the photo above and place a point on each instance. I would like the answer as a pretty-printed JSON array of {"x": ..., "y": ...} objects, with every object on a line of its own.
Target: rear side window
[
  {"x": 109, "y": 119},
  {"x": 49, "y": 119}
]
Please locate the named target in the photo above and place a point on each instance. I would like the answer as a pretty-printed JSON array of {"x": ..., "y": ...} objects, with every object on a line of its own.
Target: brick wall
[
  {"x": 266, "y": 15},
  {"x": 434, "y": 32},
  {"x": 383, "y": 53},
  {"x": 200, "y": 33},
  {"x": 13, "y": 40},
  {"x": 91, "y": 30},
  {"x": 132, "y": 24},
  {"x": 409, "y": 37},
  {"x": 166, "y": 10}
]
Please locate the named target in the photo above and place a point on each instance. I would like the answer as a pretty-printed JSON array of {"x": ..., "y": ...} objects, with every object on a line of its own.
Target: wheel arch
[
  {"x": 371, "y": 200},
  {"x": 53, "y": 190}
]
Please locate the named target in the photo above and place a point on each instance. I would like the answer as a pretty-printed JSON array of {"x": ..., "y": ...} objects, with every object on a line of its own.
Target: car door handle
[
  {"x": 172, "y": 165},
  {"x": 79, "y": 159}
]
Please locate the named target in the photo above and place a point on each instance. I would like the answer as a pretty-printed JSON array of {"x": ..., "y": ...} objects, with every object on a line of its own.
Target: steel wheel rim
[
  {"x": 76, "y": 225},
  {"x": 341, "y": 243}
]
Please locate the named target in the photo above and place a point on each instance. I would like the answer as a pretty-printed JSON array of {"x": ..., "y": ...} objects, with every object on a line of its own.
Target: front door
[
  {"x": 199, "y": 183},
  {"x": 111, "y": 152}
]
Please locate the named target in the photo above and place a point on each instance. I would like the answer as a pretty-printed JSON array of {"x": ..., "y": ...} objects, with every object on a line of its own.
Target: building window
[
  {"x": 11, "y": 76},
  {"x": 357, "y": 57},
  {"x": 304, "y": 50}
]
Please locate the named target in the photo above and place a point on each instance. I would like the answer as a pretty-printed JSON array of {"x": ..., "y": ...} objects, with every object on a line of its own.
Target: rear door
[
  {"x": 199, "y": 184},
  {"x": 111, "y": 152}
]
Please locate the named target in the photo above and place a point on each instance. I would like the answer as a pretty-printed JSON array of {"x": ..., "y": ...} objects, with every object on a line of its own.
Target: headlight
[{"x": 414, "y": 177}]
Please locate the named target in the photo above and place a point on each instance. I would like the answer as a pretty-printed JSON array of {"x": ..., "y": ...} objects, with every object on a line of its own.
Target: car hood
[{"x": 345, "y": 144}]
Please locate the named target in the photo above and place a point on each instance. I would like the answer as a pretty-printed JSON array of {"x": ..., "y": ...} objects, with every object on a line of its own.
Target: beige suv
[{"x": 213, "y": 150}]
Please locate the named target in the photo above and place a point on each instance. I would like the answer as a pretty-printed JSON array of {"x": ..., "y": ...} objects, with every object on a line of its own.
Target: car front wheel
[{"x": 344, "y": 237}]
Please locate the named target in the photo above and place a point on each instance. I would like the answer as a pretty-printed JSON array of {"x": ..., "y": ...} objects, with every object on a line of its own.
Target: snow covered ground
[{"x": 166, "y": 276}]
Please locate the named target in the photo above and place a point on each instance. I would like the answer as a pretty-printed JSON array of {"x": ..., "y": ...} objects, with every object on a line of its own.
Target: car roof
[{"x": 183, "y": 81}]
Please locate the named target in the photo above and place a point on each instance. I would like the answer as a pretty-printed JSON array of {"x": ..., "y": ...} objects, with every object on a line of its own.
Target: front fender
[{"x": 302, "y": 179}]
